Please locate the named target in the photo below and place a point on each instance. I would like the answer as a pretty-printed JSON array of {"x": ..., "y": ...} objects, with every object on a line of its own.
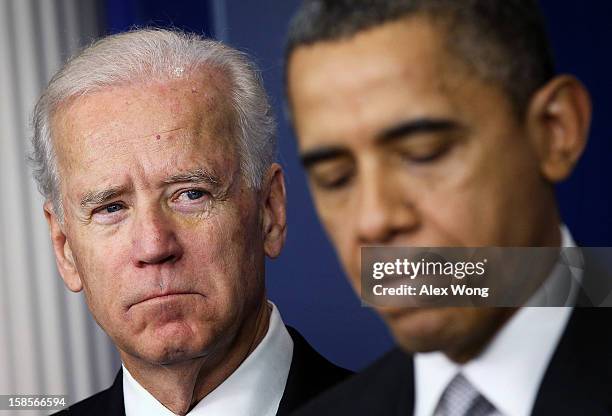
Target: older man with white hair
[{"x": 155, "y": 152}]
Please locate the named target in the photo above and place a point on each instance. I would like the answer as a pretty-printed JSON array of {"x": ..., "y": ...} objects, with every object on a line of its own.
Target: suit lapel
[
  {"x": 116, "y": 404},
  {"x": 309, "y": 375},
  {"x": 108, "y": 402},
  {"x": 579, "y": 377}
]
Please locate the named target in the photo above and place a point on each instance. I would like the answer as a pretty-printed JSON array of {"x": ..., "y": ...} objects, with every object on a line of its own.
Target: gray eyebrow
[
  {"x": 100, "y": 197},
  {"x": 199, "y": 175}
]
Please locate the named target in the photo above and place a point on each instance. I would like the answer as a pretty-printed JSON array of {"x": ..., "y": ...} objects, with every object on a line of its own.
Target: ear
[
  {"x": 63, "y": 253},
  {"x": 558, "y": 120},
  {"x": 274, "y": 211}
]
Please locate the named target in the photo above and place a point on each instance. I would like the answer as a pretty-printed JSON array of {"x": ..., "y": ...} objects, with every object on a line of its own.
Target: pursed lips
[{"x": 162, "y": 296}]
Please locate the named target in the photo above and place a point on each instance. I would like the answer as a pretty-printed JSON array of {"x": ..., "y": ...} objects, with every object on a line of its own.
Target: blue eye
[
  {"x": 112, "y": 208},
  {"x": 194, "y": 194},
  {"x": 109, "y": 214}
]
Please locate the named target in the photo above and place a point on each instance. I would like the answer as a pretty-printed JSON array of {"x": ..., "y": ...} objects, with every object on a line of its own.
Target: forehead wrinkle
[
  {"x": 193, "y": 117},
  {"x": 156, "y": 133},
  {"x": 207, "y": 121}
]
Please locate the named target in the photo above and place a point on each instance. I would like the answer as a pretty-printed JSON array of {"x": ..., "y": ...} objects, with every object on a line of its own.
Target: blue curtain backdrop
[
  {"x": 306, "y": 282},
  {"x": 195, "y": 16}
]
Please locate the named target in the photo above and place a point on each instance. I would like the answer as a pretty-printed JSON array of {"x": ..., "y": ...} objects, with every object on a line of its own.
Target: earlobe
[
  {"x": 274, "y": 211},
  {"x": 63, "y": 252},
  {"x": 558, "y": 119}
]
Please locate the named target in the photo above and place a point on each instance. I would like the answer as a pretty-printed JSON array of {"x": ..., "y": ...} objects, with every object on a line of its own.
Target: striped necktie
[{"x": 461, "y": 399}]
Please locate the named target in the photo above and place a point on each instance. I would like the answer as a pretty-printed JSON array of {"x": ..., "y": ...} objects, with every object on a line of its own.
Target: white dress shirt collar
[
  {"x": 254, "y": 388},
  {"x": 510, "y": 369}
]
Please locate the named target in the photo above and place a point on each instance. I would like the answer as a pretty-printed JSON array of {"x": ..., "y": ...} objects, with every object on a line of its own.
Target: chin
[
  {"x": 173, "y": 343},
  {"x": 171, "y": 352},
  {"x": 423, "y": 329}
]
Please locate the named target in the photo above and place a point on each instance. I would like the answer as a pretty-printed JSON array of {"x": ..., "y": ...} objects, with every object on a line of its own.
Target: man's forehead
[
  {"x": 144, "y": 129},
  {"x": 147, "y": 109},
  {"x": 205, "y": 87},
  {"x": 347, "y": 92},
  {"x": 406, "y": 57},
  {"x": 411, "y": 44}
]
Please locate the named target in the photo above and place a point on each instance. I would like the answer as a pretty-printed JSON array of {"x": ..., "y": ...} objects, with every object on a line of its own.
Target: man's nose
[
  {"x": 154, "y": 239},
  {"x": 384, "y": 210}
]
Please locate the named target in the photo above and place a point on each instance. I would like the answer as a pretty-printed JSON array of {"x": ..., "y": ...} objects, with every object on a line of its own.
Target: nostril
[
  {"x": 163, "y": 260},
  {"x": 170, "y": 259}
]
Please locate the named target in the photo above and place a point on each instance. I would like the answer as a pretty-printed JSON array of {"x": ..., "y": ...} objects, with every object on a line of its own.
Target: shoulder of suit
[
  {"x": 107, "y": 402},
  {"x": 310, "y": 375},
  {"x": 307, "y": 360},
  {"x": 87, "y": 406},
  {"x": 369, "y": 392}
]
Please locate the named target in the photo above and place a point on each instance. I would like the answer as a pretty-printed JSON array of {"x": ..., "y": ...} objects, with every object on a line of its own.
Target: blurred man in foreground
[
  {"x": 442, "y": 123},
  {"x": 155, "y": 152}
]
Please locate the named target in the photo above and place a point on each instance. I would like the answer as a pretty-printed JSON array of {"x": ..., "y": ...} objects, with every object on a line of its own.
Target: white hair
[{"x": 156, "y": 54}]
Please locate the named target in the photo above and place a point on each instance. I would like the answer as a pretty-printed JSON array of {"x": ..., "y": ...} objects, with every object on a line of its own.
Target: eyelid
[
  {"x": 109, "y": 204},
  {"x": 431, "y": 154},
  {"x": 100, "y": 217},
  {"x": 429, "y": 158},
  {"x": 340, "y": 182},
  {"x": 182, "y": 191}
]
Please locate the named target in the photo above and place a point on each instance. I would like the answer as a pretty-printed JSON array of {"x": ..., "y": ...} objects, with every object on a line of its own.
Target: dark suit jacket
[
  {"x": 578, "y": 380},
  {"x": 309, "y": 375}
]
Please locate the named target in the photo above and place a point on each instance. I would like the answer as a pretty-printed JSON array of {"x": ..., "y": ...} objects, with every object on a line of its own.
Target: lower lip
[{"x": 168, "y": 297}]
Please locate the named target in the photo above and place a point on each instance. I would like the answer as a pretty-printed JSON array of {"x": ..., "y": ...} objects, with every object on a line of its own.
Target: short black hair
[{"x": 503, "y": 41}]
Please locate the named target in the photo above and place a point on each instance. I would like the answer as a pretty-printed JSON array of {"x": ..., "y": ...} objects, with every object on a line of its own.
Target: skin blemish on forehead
[{"x": 159, "y": 135}]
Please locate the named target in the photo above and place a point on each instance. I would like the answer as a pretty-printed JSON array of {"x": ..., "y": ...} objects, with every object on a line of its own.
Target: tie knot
[{"x": 461, "y": 399}]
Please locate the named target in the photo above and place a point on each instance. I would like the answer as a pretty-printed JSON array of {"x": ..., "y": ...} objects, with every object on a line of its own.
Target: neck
[
  {"x": 470, "y": 350},
  {"x": 180, "y": 386},
  {"x": 547, "y": 228},
  {"x": 549, "y": 235}
]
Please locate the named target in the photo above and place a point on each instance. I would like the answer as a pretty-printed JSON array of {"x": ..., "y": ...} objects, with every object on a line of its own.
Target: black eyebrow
[
  {"x": 322, "y": 154},
  {"x": 399, "y": 131},
  {"x": 413, "y": 127}
]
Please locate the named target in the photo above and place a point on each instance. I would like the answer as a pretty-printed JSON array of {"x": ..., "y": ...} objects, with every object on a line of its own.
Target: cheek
[
  {"x": 469, "y": 200},
  {"x": 459, "y": 219},
  {"x": 100, "y": 268},
  {"x": 227, "y": 248},
  {"x": 341, "y": 228}
]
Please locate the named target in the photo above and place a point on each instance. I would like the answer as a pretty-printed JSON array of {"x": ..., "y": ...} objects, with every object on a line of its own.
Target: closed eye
[
  {"x": 425, "y": 156},
  {"x": 333, "y": 182}
]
